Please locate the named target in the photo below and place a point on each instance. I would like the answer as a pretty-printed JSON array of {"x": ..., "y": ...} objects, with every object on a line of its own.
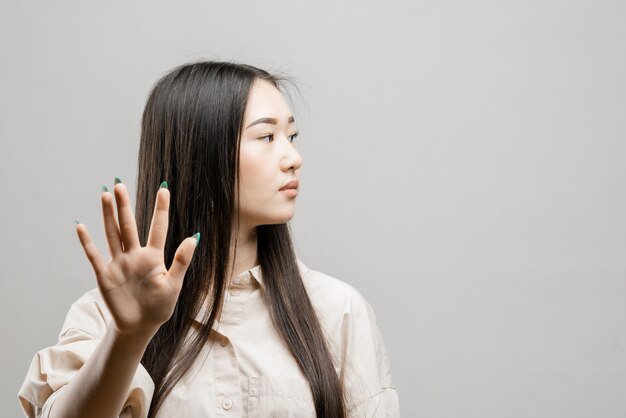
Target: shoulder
[
  {"x": 328, "y": 292},
  {"x": 88, "y": 313},
  {"x": 356, "y": 343},
  {"x": 53, "y": 367},
  {"x": 344, "y": 311}
]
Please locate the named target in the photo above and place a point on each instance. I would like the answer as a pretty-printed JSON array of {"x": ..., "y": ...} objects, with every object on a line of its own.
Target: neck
[{"x": 247, "y": 253}]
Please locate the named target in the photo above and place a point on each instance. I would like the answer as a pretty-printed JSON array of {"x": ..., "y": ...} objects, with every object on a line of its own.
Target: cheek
[{"x": 254, "y": 174}]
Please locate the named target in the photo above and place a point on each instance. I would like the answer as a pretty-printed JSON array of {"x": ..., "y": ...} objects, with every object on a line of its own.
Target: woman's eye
[
  {"x": 271, "y": 136},
  {"x": 293, "y": 137}
]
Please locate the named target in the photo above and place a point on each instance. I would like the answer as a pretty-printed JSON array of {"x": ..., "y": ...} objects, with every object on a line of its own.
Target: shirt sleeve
[
  {"x": 53, "y": 367},
  {"x": 367, "y": 369}
]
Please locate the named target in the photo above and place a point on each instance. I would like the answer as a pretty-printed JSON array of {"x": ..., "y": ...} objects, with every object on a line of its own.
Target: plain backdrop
[{"x": 463, "y": 168}]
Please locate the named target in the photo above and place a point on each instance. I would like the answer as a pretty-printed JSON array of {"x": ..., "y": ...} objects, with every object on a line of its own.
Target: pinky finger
[{"x": 91, "y": 251}]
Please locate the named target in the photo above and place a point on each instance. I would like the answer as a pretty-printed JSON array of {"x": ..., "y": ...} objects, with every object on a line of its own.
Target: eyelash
[{"x": 292, "y": 136}]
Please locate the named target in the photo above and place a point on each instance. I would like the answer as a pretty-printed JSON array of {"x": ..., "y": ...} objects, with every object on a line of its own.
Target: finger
[
  {"x": 160, "y": 219},
  {"x": 92, "y": 252},
  {"x": 128, "y": 226},
  {"x": 111, "y": 230},
  {"x": 182, "y": 260}
]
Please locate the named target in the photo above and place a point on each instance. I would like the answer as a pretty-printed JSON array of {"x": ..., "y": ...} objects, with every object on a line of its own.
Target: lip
[
  {"x": 293, "y": 184},
  {"x": 290, "y": 192}
]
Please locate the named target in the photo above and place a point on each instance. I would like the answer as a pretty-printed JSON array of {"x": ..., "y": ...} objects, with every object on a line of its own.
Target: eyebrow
[{"x": 272, "y": 121}]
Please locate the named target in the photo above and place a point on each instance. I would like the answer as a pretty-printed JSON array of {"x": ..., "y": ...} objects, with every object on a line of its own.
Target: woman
[{"x": 291, "y": 341}]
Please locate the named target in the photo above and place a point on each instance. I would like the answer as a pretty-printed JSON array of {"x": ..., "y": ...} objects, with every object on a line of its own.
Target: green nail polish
[
  {"x": 164, "y": 184},
  {"x": 76, "y": 222},
  {"x": 116, "y": 180},
  {"x": 197, "y": 237},
  {"x": 104, "y": 189}
]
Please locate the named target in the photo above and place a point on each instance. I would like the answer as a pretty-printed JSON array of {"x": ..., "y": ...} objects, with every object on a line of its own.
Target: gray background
[{"x": 463, "y": 168}]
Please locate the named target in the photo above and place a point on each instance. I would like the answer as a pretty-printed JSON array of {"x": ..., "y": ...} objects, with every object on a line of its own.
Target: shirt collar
[{"x": 255, "y": 274}]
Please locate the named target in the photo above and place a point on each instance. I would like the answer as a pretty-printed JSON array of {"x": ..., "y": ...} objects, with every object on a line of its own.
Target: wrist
[{"x": 140, "y": 337}]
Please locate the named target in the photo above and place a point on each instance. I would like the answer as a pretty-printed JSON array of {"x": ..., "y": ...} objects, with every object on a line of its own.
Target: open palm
[{"x": 138, "y": 289}]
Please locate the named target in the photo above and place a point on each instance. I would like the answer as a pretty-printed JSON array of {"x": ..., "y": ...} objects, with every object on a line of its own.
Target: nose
[{"x": 291, "y": 158}]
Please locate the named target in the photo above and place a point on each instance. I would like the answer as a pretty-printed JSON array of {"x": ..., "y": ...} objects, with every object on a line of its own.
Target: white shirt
[{"x": 249, "y": 371}]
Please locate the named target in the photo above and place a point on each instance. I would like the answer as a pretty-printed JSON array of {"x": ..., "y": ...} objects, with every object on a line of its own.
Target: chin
[{"x": 278, "y": 218}]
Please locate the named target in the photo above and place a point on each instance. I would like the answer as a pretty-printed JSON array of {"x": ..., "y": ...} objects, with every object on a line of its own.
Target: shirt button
[
  {"x": 236, "y": 280},
  {"x": 223, "y": 341},
  {"x": 234, "y": 292},
  {"x": 227, "y": 403}
]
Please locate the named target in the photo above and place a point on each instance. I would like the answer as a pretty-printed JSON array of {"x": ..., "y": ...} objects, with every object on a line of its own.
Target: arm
[
  {"x": 139, "y": 292},
  {"x": 99, "y": 388},
  {"x": 368, "y": 372}
]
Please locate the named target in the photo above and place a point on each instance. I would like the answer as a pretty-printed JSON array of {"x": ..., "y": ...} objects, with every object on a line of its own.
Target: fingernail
[
  {"x": 116, "y": 180},
  {"x": 104, "y": 189},
  {"x": 197, "y": 237},
  {"x": 76, "y": 223},
  {"x": 164, "y": 184}
]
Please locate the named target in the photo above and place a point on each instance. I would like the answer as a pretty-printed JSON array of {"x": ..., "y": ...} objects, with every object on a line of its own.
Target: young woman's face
[{"x": 268, "y": 158}]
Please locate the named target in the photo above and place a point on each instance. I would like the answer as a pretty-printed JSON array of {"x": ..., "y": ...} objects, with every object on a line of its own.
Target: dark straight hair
[{"x": 190, "y": 135}]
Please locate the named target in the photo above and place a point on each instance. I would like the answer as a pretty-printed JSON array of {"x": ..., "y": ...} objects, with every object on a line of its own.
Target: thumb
[{"x": 182, "y": 258}]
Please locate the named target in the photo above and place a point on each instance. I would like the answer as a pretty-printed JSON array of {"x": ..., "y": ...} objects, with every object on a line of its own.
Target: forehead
[{"x": 265, "y": 100}]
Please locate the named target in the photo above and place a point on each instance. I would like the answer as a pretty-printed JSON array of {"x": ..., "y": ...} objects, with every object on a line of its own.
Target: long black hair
[{"x": 190, "y": 136}]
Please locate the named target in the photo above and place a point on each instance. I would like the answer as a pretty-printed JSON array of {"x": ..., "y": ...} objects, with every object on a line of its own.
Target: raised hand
[{"x": 138, "y": 289}]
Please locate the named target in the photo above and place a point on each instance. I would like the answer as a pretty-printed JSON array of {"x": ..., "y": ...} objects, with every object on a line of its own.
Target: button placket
[{"x": 226, "y": 372}]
